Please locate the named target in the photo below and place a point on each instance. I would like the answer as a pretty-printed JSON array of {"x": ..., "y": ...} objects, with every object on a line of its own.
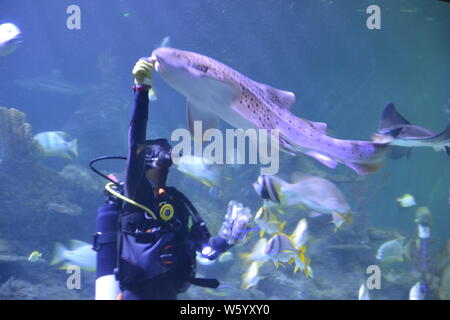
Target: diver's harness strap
[
  {"x": 199, "y": 224},
  {"x": 205, "y": 235},
  {"x": 204, "y": 282}
]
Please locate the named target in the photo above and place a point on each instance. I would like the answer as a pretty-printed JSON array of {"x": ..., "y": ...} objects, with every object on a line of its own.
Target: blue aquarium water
[{"x": 66, "y": 98}]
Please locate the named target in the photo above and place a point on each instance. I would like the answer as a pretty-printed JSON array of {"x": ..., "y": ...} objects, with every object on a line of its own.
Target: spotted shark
[
  {"x": 399, "y": 132},
  {"x": 216, "y": 91}
]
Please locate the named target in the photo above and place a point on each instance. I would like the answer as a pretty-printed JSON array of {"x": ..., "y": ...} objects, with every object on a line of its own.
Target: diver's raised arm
[{"x": 137, "y": 129}]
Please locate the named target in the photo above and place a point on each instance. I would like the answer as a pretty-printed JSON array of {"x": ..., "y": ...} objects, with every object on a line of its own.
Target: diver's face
[{"x": 157, "y": 176}]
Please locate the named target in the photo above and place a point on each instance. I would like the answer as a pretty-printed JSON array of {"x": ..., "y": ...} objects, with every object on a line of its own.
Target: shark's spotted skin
[{"x": 214, "y": 90}]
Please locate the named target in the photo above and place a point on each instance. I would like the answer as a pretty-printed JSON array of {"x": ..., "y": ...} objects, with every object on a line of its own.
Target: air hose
[
  {"x": 108, "y": 186},
  {"x": 122, "y": 197}
]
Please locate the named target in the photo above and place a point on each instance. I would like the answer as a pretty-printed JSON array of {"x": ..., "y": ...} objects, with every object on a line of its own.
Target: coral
[
  {"x": 82, "y": 178},
  {"x": 27, "y": 187},
  {"x": 36, "y": 283},
  {"x": 15, "y": 136}
]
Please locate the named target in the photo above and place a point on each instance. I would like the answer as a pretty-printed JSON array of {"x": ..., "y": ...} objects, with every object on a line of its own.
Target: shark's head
[
  {"x": 174, "y": 61},
  {"x": 183, "y": 69}
]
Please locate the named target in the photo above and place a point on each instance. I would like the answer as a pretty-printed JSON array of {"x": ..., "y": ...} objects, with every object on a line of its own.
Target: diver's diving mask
[{"x": 158, "y": 154}]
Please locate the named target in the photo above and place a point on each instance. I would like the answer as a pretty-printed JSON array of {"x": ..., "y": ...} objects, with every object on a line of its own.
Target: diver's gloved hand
[
  {"x": 238, "y": 224},
  {"x": 142, "y": 72}
]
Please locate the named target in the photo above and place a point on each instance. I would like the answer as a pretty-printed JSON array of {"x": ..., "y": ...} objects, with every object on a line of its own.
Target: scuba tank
[{"x": 105, "y": 240}]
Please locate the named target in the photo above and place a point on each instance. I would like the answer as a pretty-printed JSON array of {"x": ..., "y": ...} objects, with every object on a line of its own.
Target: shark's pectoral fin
[
  {"x": 362, "y": 168},
  {"x": 208, "y": 120},
  {"x": 323, "y": 159},
  {"x": 282, "y": 98},
  {"x": 287, "y": 147}
]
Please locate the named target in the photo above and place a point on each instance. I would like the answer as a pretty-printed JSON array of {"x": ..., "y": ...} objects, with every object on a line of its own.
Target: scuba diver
[{"x": 147, "y": 232}]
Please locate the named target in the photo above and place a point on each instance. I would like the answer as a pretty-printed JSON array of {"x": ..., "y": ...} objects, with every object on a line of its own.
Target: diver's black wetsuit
[{"x": 156, "y": 257}]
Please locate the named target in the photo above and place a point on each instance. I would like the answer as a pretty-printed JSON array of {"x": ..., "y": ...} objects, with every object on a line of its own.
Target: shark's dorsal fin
[
  {"x": 209, "y": 121},
  {"x": 391, "y": 119},
  {"x": 282, "y": 98}
]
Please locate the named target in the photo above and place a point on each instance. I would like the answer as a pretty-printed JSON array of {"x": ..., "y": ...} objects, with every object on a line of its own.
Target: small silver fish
[
  {"x": 10, "y": 38},
  {"x": 281, "y": 248},
  {"x": 200, "y": 169},
  {"x": 406, "y": 200},
  {"x": 34, "y": 256},
  {"x": 267, "y": 221},
  {"x": 300, "y": 235},
  {"x": 251, "y": 277},
  {"x": 268, "y": 188},
  {"x": 315, "y": 193},
  {"x": 363, "y": 293},
  {"x": 416, "y": 292},
  {"x": 258, "y": 252},
  {"x": 80, "y": 254},
  {"x": 53, "y": 143},
  {"x": 396, "y": 250}
]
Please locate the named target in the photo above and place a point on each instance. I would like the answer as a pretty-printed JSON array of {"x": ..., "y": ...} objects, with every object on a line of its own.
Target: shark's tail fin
[
  {"x": 375, "y": 160},
  {"x": 444, "y": 135}
]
